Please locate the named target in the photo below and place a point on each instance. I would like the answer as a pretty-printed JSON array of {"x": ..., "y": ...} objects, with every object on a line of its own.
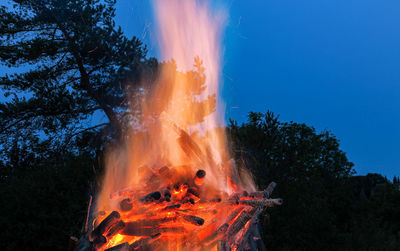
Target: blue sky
[{"x": 333, "y": 64}]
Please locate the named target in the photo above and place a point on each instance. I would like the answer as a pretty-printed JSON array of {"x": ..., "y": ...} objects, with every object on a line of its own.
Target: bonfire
[{"x": 173, "y": 184}]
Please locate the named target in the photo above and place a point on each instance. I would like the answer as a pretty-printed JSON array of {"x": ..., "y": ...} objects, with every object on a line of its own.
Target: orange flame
[{"x": 180, "y": 123}]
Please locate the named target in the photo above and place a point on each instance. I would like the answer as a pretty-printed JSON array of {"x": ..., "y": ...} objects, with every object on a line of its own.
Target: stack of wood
[
  {"x": 158, "y": 221},
  {"x": 179, "y": 211}
]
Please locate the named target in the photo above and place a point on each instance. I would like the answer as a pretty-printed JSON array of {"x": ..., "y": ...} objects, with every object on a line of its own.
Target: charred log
[
  {"x": 144, "y": 241},
  {"x": 149, "y": 222},
  {"x": 105, "y": 225},
  {"x": 99, "y": 242},
  {"x": 126, "y": 205},
  {"x": 266, "y": 193},
  {"x": 260, "y": 203},
  {"x": 199, "y": 177},
  {"x": 168, "y": 208},
  {"x": 121, "y": 247},
  {"x": 151, "y": 197},
  {"x": 195, "y": 220},
  {"x": 240, "y": 222},
  {"x": 133, "y": 230},
  {"x": 115, "y": 229}
]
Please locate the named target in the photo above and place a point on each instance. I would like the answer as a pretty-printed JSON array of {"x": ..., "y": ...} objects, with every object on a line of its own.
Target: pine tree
[{"x": 78, "y": 63}]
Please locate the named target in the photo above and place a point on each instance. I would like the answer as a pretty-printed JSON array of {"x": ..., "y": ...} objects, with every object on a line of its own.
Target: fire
[{"x": 173, "y": 185}]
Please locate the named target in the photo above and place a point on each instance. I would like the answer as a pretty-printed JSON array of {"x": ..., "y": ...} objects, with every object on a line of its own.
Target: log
[
  {"x": 239, "y": 223},
  {"x": 150, "y": 222},
  {"x": 259, "y": 202},
  {"x": 188, "y": 200},
  {"x": 105, "y": 225},
  {"x": 190, "y": 147},
  {"x": 115, "y": 229},
  {"x": 238, "y": 196},
  {"x": 266, "y": 194},
  {"x": 193, "y": 191},
  {"x": 153, "y": 245},
  {"x": 233, "y": 214},
  {"x": 220, "y": 231},
  {"x": 195, "y": 220},
  {"x": 85, "y": 228},
  {"x": 133, "y": 230},
  {"x": 144, "y": 241},
  {"x": 199, "y": 177},
  {"x": 253, "y": 225},
  {"x": 126, "y": 205},
  {"x": 168, "y": 208},
  {"x": 99, "y": 241},
  {"x": 269, "y": 190},
  {"x": 121, "y": 247},
  {"x": 151, "y": 197}
]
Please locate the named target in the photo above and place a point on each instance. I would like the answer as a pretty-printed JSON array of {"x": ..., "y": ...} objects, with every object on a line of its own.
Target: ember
[{"x": 173, "y": 185}]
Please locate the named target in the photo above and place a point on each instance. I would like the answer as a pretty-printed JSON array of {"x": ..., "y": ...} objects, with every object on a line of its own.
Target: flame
[{"x": 180, "y": 128}]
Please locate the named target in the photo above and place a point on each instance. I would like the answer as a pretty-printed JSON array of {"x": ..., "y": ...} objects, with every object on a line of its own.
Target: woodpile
[
  {"x": 175, "y": 208},
  {"x": 157, "y": 217}
]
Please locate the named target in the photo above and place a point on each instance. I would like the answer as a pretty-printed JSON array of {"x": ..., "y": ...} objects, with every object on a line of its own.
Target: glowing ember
[{"x": 173, "y": 186}]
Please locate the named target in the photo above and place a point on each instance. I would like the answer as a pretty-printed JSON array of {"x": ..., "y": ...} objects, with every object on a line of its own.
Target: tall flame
[{"x": 180, "y": 124}]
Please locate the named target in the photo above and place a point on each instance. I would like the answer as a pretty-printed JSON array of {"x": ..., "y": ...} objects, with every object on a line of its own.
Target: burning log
[
  {"x": 199, "y": 177},
  {"x": 246, "y": 237},
  {"x": 238, "y": 196},
  {"x": 144, "y": 241},
  {"x": 133, "y": 230},
  {"x": 188, "y": 200},
  {"x": 195, "y": 220},
  {"x": 105, "y": 225},
  {"x": 215, "y": 200},
  {"x": 168, "y": 208},
  {"x": 99, "y": 241},
  {"x": 151, "y": 197},
  {"x": 239, "y": 223},
  {"x": 116, "y": 228},
  {"x": 150, "y": 222},
  {"x": 121, "y": 247},
  {"x": 189, "y": 146},
  {"x": 153, "y": 245},
  {"x": 194, "y": 191},
  {"x": 234, "y": 214},
  {"x": 220, "y": 231},
  {"x": 126, "y": 205}
]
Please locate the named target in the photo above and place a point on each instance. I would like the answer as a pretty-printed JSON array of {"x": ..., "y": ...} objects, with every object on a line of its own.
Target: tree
[
  {"x": 79, "y": 65},
  {"x": 311, "y": 172}
]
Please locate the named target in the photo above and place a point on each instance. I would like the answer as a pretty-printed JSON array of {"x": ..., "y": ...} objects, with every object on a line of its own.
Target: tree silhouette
[{"x": 78, "y": 64}]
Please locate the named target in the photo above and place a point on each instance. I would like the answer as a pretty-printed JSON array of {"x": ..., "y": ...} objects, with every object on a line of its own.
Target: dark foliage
[
  {"x": 325, "y": 208},
  {"x": 42, "y": 207},
  {"x": 77, "y": 63}
]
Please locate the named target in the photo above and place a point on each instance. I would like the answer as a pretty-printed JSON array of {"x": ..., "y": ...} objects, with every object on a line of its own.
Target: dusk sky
[{"x": 331, "y": 64}]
